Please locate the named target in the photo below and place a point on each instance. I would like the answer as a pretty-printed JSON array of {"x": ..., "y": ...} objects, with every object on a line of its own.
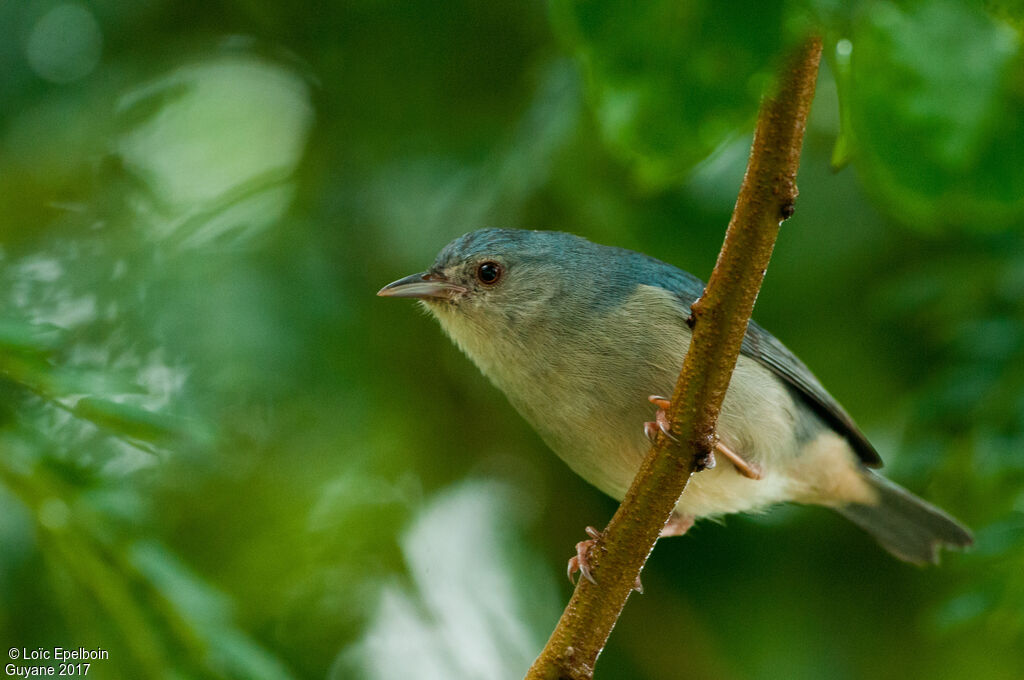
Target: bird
[{"x": 582, "y": 337}]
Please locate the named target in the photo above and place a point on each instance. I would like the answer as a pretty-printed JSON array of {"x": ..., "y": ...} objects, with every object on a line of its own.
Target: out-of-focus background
[{"x": 222, "y": 457}]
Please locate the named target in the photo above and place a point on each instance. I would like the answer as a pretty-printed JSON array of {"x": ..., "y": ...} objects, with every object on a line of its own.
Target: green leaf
[
  {"x": 936, "y": 102},
  {"x": 1011, "y": 11},
  {"x": 37, "y": 373},
  {"x": 670, "y": 81},
  {"x": 207, "y": 612},
  {"x": 21, "y": 336},
  {"x": 71, "y": 380},
  {"x": 128, "y": 420},
  {"x": 30, "y": 370}
]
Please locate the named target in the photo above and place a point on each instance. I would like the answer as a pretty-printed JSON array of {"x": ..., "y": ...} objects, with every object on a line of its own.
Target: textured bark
[{"x": 767, "y": 197}]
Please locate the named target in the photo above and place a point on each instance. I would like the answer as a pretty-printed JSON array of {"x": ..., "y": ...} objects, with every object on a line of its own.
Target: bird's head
[
  {"x": 494, "y": 278},
  {"x": 511, "y": 298}
]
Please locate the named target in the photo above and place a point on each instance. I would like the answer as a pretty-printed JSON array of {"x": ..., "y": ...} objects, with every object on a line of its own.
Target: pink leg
[{"x": 746, "y": 468}]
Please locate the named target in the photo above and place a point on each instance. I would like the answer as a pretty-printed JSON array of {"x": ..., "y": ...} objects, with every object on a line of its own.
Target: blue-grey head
[
  {"x": 511, "y": 273},
  {"x": 511, "y": 298},
  {"x": 503, "y": 293},
  {"x": 483, "y": 270}
]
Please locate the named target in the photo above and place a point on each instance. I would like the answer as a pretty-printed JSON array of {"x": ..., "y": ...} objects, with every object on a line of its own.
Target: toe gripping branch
[
  {"x": 661, "y": 423},
  {"x": 580, "y": 562}
]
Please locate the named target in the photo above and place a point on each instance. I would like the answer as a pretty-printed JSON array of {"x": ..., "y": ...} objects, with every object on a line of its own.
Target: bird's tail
[{"x": 910, "y": 528}]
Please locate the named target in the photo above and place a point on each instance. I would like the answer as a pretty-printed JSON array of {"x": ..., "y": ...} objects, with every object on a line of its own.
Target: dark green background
[{"x": 222, "y": 457}]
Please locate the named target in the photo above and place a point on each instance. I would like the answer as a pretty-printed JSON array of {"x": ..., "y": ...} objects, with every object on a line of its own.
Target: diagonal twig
[{"x": 767, "y": 197}]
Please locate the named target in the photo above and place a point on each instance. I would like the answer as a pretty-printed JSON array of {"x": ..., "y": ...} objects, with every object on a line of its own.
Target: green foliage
[
  {"x": 222, "y": 457},
  {"x": 935, "y": 131},
  {"x": 670, "y": 81},
  {"x": 939, "y": 132}
]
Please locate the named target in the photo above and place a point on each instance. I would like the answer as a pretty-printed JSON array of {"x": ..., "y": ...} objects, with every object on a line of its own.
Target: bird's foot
[
  {"x": 580, "y": 562},
  {"x": 745, "y": 467},
  {"x": 661, "y": 423}
]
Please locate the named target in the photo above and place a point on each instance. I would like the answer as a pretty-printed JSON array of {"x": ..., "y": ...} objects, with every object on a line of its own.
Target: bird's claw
[
  {"x": 580, "y": 562},
  {"x": 660, "y": 422},
  {"x": 747, "y": 468},
  {"x": 661, "y": 402}
]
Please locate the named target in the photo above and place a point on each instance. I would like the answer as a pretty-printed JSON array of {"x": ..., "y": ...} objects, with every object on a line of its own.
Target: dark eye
[{"x": 489, "y": 273}]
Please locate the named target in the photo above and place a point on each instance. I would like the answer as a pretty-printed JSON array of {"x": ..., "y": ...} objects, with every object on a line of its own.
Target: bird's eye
[{"x": 488, "y": 273}]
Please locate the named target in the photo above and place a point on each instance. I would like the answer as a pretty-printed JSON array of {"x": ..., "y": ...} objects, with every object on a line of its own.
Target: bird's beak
[{"x": 426, "y": 285}]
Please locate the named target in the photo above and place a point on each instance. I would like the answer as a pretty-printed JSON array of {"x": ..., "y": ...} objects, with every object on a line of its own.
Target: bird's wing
[{"x": 763, "y": 347}]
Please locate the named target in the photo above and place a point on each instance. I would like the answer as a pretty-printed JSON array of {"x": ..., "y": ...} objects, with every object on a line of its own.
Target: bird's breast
[
  {"x": 581, "y": 374},
  {"x": 582, "y": 379}
]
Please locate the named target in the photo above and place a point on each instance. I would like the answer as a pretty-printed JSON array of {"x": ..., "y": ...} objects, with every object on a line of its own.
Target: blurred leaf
[
  {"x": 1011, "y": 11},
  {"x": 71, "y": 380},
  {"x": 463, "y": 617},
  {"x": 670, "y": 81},
  {"x": 936, "y": 100},
  {"x": 129, "y": 421},
  {"x": 842, "y": 152},
  {"x": 22, "y": 336},
  {"x": 33, "y": 372},
  {"x": 228, "y": 650},
  {"x": 53, "y": 382},
  {"x": 206, "y": 228},
  {"x": 190, "y": 144}
]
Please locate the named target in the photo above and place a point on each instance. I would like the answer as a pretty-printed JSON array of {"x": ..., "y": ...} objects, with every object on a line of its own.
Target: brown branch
[{"x": 767, "y": 197}]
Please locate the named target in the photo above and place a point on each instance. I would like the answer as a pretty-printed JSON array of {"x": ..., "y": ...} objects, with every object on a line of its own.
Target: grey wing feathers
[{"x": 761, "y": 345}]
